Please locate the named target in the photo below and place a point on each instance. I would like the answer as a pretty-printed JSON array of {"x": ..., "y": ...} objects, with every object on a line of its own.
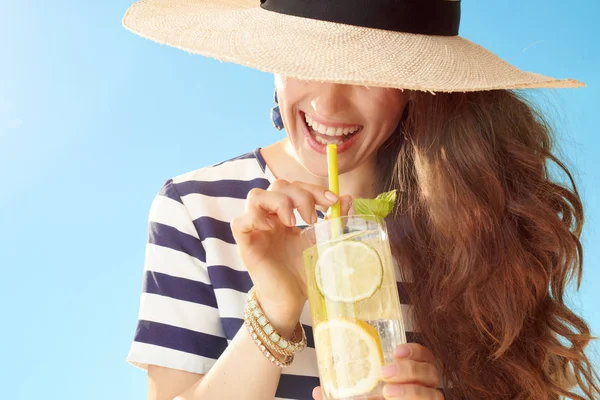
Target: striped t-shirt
[{"x": 195, "y": 284}]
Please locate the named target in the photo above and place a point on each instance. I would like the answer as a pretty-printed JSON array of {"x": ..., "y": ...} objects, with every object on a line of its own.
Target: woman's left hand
[{"x": 413, "y": 375}]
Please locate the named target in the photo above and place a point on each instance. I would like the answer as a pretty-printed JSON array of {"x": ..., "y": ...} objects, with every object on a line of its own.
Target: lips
[{"x": 319, "y": 141}]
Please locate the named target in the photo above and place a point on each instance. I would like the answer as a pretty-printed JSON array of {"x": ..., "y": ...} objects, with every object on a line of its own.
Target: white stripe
[
  {"x": 142, "y": 354},
  {"x": 169, "y": 212},
  {"x": 231, "y": 303},
  {"x": 183, "y": 314},
  {"x": 221, "y": 208},
  {"x": 219, "y": 252},
  {"x": 246, "y": 170},
  {"x": 305, "y": 317},
  {"x": 175, "y": 263}
]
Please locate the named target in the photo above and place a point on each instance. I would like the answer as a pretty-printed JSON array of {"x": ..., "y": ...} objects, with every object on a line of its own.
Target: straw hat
[{"x": 408, "y": 44}]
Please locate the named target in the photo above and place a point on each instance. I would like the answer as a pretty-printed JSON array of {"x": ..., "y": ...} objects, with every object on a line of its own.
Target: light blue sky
[{"x": 94, "y": 119}]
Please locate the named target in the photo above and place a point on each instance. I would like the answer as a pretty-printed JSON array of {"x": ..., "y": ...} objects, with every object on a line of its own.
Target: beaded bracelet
[
  {"x": 286, "y": 362},
  {"x": 290, "y": 346},
  {"x": 264, "y": 338},
  {"x": 269, "y": 341}
]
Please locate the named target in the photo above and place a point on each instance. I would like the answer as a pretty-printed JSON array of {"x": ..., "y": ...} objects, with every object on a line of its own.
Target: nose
[{"x": 331, "y": 100}]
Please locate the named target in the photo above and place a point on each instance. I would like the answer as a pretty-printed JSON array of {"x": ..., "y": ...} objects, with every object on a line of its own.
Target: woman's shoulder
[
  {"x": 247, "y": 169},
  {"x": 217, "y": 192}
]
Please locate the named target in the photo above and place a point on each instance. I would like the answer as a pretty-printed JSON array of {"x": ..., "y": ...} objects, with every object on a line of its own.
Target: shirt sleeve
[{"x": 179, "y": 325}]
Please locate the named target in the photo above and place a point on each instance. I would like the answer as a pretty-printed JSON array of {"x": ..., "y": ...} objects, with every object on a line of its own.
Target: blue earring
[{"x": 276, "y": 114}]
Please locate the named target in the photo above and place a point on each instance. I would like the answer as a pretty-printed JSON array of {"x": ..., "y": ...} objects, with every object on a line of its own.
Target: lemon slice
[
  {"x": 348, "y": 272},
  {"x": 349, "y": 357}
]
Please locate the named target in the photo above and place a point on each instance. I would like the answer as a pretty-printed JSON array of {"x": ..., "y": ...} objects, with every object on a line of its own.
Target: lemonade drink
[{"x": 354, "y": 304}]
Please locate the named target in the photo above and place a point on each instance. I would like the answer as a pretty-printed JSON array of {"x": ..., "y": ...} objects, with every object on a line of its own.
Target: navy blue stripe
[
  {"x": 223, "y": 277},
  {"x": 168, "y": 190},
  {"x": 310, "y": 339},
  {"x": 167, "y": 236},
  {"x": 232, "y": 188},
  {"x": 402, "y": 293},
  {"x": 209, "y": 227},
  {"x": 231, "y": 326},
  {"x": 179, "y": 288},
  {"x": 296, "y": 387},
  {"x": 181, "y": 339},
  {"x": 261, "y": 160}
]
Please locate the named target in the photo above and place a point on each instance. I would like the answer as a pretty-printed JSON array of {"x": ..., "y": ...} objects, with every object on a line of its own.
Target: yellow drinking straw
[
  {"x": 334, "y": 186},
  {"x": 334, "y": 182}
]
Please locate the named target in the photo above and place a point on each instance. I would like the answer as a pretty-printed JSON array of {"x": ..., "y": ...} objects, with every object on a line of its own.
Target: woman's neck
[{"x": 284, "y": 165}]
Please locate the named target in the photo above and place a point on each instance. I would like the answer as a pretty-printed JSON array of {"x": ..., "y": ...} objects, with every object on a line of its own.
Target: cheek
[
  {"x": 288, "y": 93},
  {"x": 388, "y": 111}
]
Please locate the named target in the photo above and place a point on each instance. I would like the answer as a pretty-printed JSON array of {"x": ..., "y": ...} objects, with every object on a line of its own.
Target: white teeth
[
  {"x": 335, "y": 140},
  {"x": 328, "y": 130}
]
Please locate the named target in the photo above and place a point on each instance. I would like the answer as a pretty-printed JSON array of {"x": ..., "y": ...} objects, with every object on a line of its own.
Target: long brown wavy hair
[{"x": 490, "y": 243}]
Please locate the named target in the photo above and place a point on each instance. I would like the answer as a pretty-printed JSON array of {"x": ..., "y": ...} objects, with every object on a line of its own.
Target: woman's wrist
[{"x": 283, "y": 320}]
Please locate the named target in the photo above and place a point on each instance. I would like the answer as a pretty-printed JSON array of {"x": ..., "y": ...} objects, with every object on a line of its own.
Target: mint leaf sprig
[{"x": 377, "y": 208}]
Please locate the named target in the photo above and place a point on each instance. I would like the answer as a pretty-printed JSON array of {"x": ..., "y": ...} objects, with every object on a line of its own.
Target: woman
[{"x": 484, "y": 240}]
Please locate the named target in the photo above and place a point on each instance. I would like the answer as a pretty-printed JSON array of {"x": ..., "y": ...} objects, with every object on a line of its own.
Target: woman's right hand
[{"x": 270, "y": 247}]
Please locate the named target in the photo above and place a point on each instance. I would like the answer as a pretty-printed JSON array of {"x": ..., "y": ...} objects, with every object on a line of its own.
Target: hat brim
[{"x": 240, "y": 31}]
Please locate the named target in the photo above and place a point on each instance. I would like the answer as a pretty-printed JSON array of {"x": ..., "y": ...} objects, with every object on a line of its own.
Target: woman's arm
[
  {"x": 242, "y": 372},
  {"x": 168, "y": 383}
]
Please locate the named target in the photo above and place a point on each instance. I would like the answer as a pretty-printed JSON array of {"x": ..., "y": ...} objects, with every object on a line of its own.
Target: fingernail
[
  {"x": 393, "y": 390},
  {"x": 331, "y": 196},
  {"x": 389, "y": 370},
  {"x": 402, "y": 351}
]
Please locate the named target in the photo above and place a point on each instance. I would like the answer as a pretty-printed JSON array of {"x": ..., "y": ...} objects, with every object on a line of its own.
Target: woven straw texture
[{"x": 240, "y": 31}]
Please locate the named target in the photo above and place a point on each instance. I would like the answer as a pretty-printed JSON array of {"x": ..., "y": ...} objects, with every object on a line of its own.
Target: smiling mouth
[{"x": 329, "y": 135}]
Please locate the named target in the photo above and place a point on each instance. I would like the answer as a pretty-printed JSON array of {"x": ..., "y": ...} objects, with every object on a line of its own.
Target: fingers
[
  {"x": 251, "y": 221},
  {"x": 345, "y": 204},
  {"x": 280, "y": 200},
  {"x": 317, "y": 393},
  {"x": 305, "y": 197},
  {"x": 413, "y": 364},
  {"x": 409, "y": 371},
  {"x": 415, "y": 352},
  {"x": 393, "y": 392},
  {"x": 283, "y": 197},
  {"x": 272, "y": 203},
  {"x": 322, "y": 196}
]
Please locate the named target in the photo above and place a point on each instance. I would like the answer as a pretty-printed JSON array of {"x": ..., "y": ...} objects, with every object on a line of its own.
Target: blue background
[{"x": 93, "y": 120}]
